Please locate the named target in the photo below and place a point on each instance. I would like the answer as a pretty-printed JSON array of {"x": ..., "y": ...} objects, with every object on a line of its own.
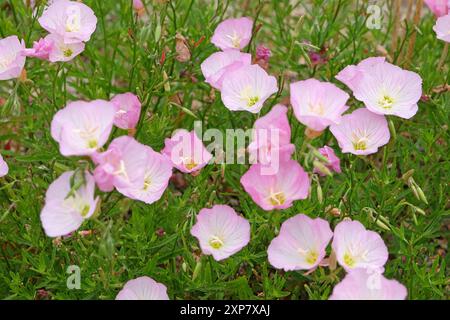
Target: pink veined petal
[{"x": 143, "y": 288}]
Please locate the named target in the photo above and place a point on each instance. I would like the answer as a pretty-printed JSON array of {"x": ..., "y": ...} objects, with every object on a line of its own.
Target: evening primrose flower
[
  {"x": 300, "y": 244},
  {"x": 361, "y": 132},
  {"x": 278, "y": 190},
  {"x": 361, "y": 284},
  {"x": 217, "y": 65},
  {"x": 12, "y": 60},
  {"x": 67, "y": 206},
  {"x": 221, "y": 232},
  {"x": 186, "y": 151},
  {"x": 128, "y": 111},
  {"x": 390, "y": 90},
  {"x": 83, "y": 127},
  {"x": 233, "y": 33},
  {"x": 442, "y": 28},
  {"x": 61, "y": 51},
  {"x": 73, "y": 21},
  {"x": 247, "y": 88},
  {"x": 355, "y": 247},
  {"x": 352, "y": 75},
  {"x": 318, "y": 104},
  {"x": 143, "y": 288}
]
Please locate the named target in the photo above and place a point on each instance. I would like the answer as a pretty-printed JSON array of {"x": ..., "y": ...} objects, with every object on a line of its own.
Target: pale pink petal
[
  {"x": 334, "y": 163},
  {"x": 439, "y": 7},
  {"x": 61, "y": 51},
  {"x": 233, "y": 33},
  {"x": 143, "y": 288},
  {"x": 442, "y": 28},
  {"x": 12, "y": 59},
  {"x": 3, "y": 167},
  {"x": 352, "y": 75},
  {"x": 128, "y": 111}
]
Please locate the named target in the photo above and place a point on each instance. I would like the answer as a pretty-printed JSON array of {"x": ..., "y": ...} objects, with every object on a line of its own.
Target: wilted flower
[
  {"x": 442, "y": 28},
  {"x": 361, "y": 132},
  {"x": 221, "y": 232},
  {"x": 143, "y": 288},
  {"x": 301, "y": 243},
  {"x": 318, "y": 104},
  {"x": 352, "y": 75},
  {"x": 334, "y": 164},
  {"x": 356, "y": 247},
  {"x": 73, "y": 21},
  {"x": 388, "y": 89},
  {"x": 361, "y": 284},
  {"x": 439, "y": 7},
  {"x": 186, "y": 151},
  {"x": 12, "y": 60},
  {"x": 217, "y": 65},
  {"x": 83, "y": 127},
  {"x": 128, "y": 111},
  {"x": 272, "y": 137},
  {"x": 233, "y": 33},
  {"x": 247, "y": 89},
  {"x": 68, "y": 202},
  {"x": 182, "y": 49},
  {"x": 278, "y": 190},
  {"x": 41, "y": 49},
  {"x": 138, "y": 6},
  {"x": 3, "y": 167}
]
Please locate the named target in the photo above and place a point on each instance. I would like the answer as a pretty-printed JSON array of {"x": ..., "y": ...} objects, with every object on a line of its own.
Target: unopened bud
[{"x": 322, "y": 168}]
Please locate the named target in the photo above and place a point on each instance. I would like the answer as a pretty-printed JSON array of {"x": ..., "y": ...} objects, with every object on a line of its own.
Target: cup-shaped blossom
[
  {"x": 439, "y": 7},
  {"x": 272, "y": 137},
  {"x": 362, "y": 284},
  {"x": 68, "y": 202},
  {"x": 334, "y": 163},
  {"x": 41, "y": 49},
  {"x": 278, "y": 190},
  {"x": 301, "y": 243},
  {"x": 3, "y": 167},
  {"x": 356, "y": 247},
  {"x": 352, "y": 74},
  {"x": 63, "y": 52},
  {"x": 388, "y": 89},
  {"x": 186, "y": 151},
  {"x": 247, "y": 88},
  {"x": 157, "y": 172},
  {"x": 361, "y": 132},
  {"x": 83, "y": 127},
  {"x": 233, "y": 33},
  {"x": 442, "y": 28},
  {"x": 128, "y": 111},
  {"x": 12, "y": 59},
  {"x": 122, "y": 166},
  {"x": 217, "y": 65},
  {"x": 318, "y": 104},
  {"x": 143, "y": 288},
  {"x": 73, "y": 21},
  {"x": 221, "y": 232}
]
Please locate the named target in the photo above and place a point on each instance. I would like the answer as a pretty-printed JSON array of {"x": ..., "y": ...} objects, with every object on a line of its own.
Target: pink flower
[
  {"x": 361, "y": 132},
  {"x": 219, "y": 64},
  {"x": 143, "y": 288},
  {"x": 442, "y": 28},
  {"x": 122, "y": 166},
  {"x": 138, "y": 5},
  {"x": 157, "y": 172},
  {"x": 301, "y": 243},
  {"x": 263, "y": 53},
  {"x": 221, "y": 232},
  {"x": 41, "y": 49},
  {"x": 356, "y": 247},
  {"x": 439, "y": 7},
  {"x": 247, "y": 88},
  {"x": 318, "y": 104},
  {"x": 128, "y": 111},
  {"x": 388, "y": 89},
  {"x": 73, "y": 21},
  {"x": 68, "y": 202},
  {"x": 271, "y": 139},
  {"x": 334, "y": 164},
  {"x": 186, "y": 151},
  {"x": 12, "y": 60},
  {"x": 61, "y": 51},
  {"x": 279, "y": 190},
  {"x": 233, "y": 33},
  {"x": 352, "y": 75},
  {"x": 83, "y": 127},
  {"x": 3, "y": 167},
  {"x": 360, "y": 284}
]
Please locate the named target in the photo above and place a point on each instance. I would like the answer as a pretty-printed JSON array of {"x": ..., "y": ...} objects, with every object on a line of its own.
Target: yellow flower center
[
  {"x": 311, "y": 257},
  {"x": 147, "y": 183},
  {"x": 68, "y": 53},
  {"x": 189, "y": 164},
  {"x": 252, "y": 101},
  {"x": 349, "y": 260},
  {"x": 235, "y": 40},
  {"x": 277, "y": 199},
  {"x": 215, "y": 242},
  {"x": 92, "y": 144},
  {"x": 386, "y": 102},
  {"x": 317, "y": 109},
  {"x": 85, "y": 210}
]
